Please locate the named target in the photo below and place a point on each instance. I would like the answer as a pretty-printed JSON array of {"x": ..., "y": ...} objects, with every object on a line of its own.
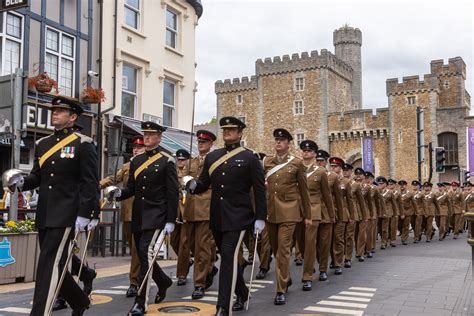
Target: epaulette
[
  {"x": 84, "y": 138},
  {"x": 39, "y": 140},
  {"x": 170, "y": 158},
  {"x": 253, "y": 151}
]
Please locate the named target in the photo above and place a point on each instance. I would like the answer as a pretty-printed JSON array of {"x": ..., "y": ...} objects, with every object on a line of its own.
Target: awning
[{"x": 171, "y": 140}]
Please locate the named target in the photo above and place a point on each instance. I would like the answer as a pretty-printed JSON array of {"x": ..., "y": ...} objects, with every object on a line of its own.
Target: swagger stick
[
  {"x": 251, "y": 273},
  {"x": 192, "y": 129},
  {"x": 152, "y": 262},
  {"x": 89, "y": 231}
]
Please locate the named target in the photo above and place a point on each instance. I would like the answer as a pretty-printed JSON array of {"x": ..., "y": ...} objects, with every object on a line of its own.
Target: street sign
[{"x": 7, "y": 5}]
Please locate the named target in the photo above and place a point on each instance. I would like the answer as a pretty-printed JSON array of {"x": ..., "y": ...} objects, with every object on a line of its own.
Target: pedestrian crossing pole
[{"x": 420, "y": 140}]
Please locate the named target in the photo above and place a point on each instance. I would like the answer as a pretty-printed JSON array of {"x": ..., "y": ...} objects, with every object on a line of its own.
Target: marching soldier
[
  {"x": 431, "y": 208},
  {"x": 395, "y": 212},
  {"x": 179, "y": 239},
  {"x": 343, "y": 216},
  {"x": 418, "y": 197},
  {"x": 444, "y": 207},
  {"x": 407, "y": 209},
  {"x": 319, "y": 194},
  {"x": 386, "y": 209},
  {"x": 458, "y": 208},
  {"x": 65, "y": 170},
  {"x": 354, "y": 194},
  {"x": 369, "y": 190},
  {"x": 138, "y": 147},
  {"x": 363, "y": 213},
  {"x": 196, "y": 216},
  {"x": 153, "y": 181},
  {"x": 232, "y": 171},
  {"x": 288, "y": 203}
]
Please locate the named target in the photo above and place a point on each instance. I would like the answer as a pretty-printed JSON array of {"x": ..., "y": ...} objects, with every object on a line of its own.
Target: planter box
[{"x": 23, "y": 248}]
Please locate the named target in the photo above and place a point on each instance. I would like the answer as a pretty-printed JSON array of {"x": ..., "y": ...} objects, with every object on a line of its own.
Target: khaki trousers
[
  {"x": 442, "y": 225},
  {"x": 361, "y": 237},
  {"x": 298, "y": 240},
  {"x": 418, "y": 226},
  {"x": 371, "y": 235},
  {"x": 393, "y": 229},
  {"x": 324, "y": 245},
  {"x": 310, "y": 244},
  {"x": 349, "y": 240},
  {"x": 204, "y": 256},
  {"x": 135, "y": 262},
  {"x": 406, "y": 228},
  {"x": 385, "y": 224},
  {"x": 281, "y": 240},
  {"x": 338, "y": 243},
  {"x": 429, "y": 226},
  {"x": 264, "y": 250},
  {"x": 458, "y": 224}
]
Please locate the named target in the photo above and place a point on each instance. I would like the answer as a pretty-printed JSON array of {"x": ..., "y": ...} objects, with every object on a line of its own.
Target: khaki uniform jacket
[
  {"x": 457, "y": 201},
  {"x": 361, "y": 212},
  {"x": 407, "y": 205},
  {"x": 387, "y": 202},
  {"x": 183, "y": 196},
  {"x": 431, "y": 204},
  {"x": 337, "y": 198},
  {"x": 288, "y": 195},
  {"x": 378, "y": 201},
  {"x": 444, "y": 204},
  {"x": 468, "y": 201},
  {"x": 418, "y": 197},
  {"x": 121, "y": 176},
  {"x": 368, "y": 198},
  {"x": 198, "y": 206},
  {"x": 319, "y": 194},
  {"x": 397, "y": 210},
  {"x": 349, "y": 207}
]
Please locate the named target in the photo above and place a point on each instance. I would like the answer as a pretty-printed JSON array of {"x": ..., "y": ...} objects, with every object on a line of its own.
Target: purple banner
[
  {"x": 368, "y": 153},
  {"x": 470, "y": 138}
]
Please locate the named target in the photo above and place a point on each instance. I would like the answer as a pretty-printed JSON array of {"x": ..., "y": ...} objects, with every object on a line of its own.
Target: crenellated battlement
[
  {"x": 411, "y": 84},
  {"x": 455, "y": 66},
  {"x": 305, "y": 61},
  {"x": 358, "y": 122},
  {"x": 347, "y": 35},
  {"x": 237, "y": 84}
]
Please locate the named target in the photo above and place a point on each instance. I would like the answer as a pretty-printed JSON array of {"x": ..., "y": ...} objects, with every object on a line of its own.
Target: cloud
[{"x": 400, "y": 38}]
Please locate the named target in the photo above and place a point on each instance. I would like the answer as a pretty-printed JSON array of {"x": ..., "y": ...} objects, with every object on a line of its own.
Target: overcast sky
[{"x": 399, "y": 38}]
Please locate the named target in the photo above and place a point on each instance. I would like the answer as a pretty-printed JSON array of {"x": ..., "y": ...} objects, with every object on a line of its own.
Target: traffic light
[
  {"x": 440, "y": 158},
  {"x": 467, "y": 176}
]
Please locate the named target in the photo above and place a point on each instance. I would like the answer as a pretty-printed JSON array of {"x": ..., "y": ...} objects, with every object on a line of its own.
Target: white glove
[
  {"x": 16, "y": 183},
  {"x": 81, "y": 223},
  {"x": 259, "y": 226},
  {"x": 111, "y": 193},
  {"x": 191, "y": 185},
  {"x": 169, "y": 227},
  {"x": 93, "y": 223}
]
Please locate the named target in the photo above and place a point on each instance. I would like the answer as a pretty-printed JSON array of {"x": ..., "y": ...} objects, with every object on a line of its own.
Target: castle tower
[{"x": 347, "y": 42}]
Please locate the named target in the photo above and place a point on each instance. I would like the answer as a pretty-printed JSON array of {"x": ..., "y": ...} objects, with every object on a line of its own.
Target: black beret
[
  {"x": 381, "y": 179},
  {"x": 282, "y": 133},
  {"x": 309, "y": 145},
  {"x": 427, "y": 184},
  {"x": 415, "y": 182},
  {"x": 182, "y": 154},
  {"x": 68, "y": 104},
  {"x": 322, "y": 155},
  {"x": 152, "y": 127},
  {"x": 440, "y": 184},
  {"x": 206, "y": 135},
  {"x": 347, "y": 166},
  {"x": 402, "y": 182},
  {"x": 359, "y": 171},
  {"x": 392, "y": 181},
  {"x": 447, "y": 184},
  {"x": 467, "y": 184},
  {"x": 369, "y": 174},
  {"x": 230, "y": 122}
]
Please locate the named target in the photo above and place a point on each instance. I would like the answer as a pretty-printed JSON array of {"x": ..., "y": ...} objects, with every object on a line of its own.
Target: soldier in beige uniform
[
  {"x": 363, "y": 213},
  {"x": 386, "y": 209},
  {"x": 444, "y": 210},
  {"x": 457, "y": 200},
  {"x": 407, "y": 209},
  {"x": 288, "y": 203},
  {"x": 370, "y": 194},
  {"x": 354, "y": 218},
  {"x": 418, "y": 197},
  {"x": 138, "y": 147},
  {"x": 319, "y": 194},
  {"x": 431, "y": 208},
  {"x": 342, "y": 227},
  {"x": 179, "y": 240},
  {"x": 468, "y": 202},
  {"x": 196, "y": 217},
  {"x": 395, "y": 212}
]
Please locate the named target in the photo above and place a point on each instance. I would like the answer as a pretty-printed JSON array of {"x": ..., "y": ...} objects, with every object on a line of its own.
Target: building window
[
  {"x": 169, "y": 97},
  {"x": 411, "y": 100},
  {"x": 129, "y": 91},
  {"x": 299, "y": 138},
  {"x": 239, "y": 99},
  {"x": 446, "y": 84},
  {"x": 449, "y": 141},
  {"x": 299, "y": 107},
  {"x": 171, "y": 28},
  {"x": 299, "y": 84},
  {"x": 132, "y": 13},
  {"x": 400, "y": 136},
  {"x": 59, "y": 60},
  {"x": 11, "y": 42}
]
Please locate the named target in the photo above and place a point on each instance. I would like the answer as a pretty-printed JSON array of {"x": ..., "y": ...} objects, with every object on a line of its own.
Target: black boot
[
  {"x": 87, "y": 277},
  {"x": 59, "y": 304},
  {"x": 261, "y": 274},
  {"x": 221, "y": 311},
  {"x": 198, "y": 293},
  {"x": 132, "y": 291},
  {"x": 280, "y": 299},
  {"x": 161, "y": 295},
  {"x": 307, "y": 285},
  {"x": 137, "y": 310},
  {"x": 239, "y": 304},
  {"x": 210, "y": 277},
  {"x": 79, "y": 312}
]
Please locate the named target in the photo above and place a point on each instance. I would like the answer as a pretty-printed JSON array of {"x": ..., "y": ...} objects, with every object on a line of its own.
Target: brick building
[{"x": 319, "y": 96}]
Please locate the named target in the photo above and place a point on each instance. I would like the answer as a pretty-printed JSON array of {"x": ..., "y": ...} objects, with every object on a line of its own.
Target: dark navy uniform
[
  {"x": 232, "y": 211},
  {"x": 156, "y": 192},
  {"x": 68, "y": 187}
]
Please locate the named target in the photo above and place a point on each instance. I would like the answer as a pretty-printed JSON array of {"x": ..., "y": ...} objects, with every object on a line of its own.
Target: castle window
[
  {"x": 446, "y": 84},
  {"x": 449, "y": 141},
  {"x": 299, "y": 84},
  {"x": 411, "y": 100},
  {"x": 400, "y": 136},
  {"x": 299, "y": 107},
  {"x": 299, "y": 138},
  {"x": 239, "y": 99}
]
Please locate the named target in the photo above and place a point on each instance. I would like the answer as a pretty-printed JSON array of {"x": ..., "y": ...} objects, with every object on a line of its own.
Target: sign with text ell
[{"x": 7, "y": 5}]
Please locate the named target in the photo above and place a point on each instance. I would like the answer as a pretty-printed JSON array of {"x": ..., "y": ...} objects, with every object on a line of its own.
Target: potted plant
[
  {"x": 18, "y": 251},
  {"x": 92, "y": 95},
  {"x": 43, "y": 83}
]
